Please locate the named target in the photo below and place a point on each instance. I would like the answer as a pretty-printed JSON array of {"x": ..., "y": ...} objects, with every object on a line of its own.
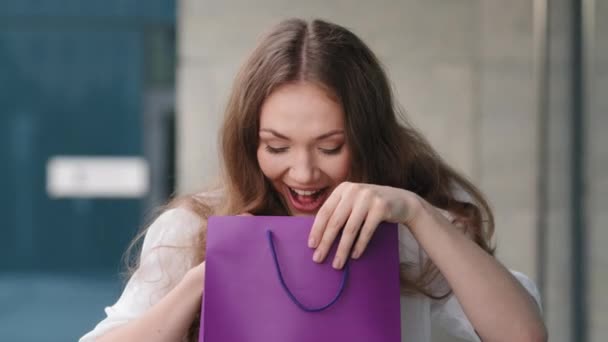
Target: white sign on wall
[{"x": 97, "y": 177}]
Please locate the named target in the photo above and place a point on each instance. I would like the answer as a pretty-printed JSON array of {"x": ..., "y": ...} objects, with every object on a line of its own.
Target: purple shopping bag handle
[{"x": 288, "y": 291}]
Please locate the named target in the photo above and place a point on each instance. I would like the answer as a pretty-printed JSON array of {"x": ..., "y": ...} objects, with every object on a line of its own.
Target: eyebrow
[{"x": 320, "y": 137}]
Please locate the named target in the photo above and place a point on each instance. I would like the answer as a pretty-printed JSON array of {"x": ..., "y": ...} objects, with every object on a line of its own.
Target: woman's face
[{"x": 303, "y": 149}]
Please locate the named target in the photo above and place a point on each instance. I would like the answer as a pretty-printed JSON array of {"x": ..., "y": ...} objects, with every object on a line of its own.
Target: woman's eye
[
  {"x": 331, "y": 151},
  {"x": 275, "y": 150}
]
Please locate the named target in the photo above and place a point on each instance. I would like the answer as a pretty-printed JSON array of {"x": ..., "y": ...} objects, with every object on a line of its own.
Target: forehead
[{"x": 301, "y": 107}]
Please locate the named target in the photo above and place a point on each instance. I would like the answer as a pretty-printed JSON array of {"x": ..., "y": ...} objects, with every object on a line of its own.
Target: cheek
[
  {"x": 340, "y": 168},
  {"x": 271, "y": 167}
]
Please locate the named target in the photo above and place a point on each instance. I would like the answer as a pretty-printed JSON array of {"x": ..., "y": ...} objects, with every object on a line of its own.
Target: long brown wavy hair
[{"x": 385, "y": 148}]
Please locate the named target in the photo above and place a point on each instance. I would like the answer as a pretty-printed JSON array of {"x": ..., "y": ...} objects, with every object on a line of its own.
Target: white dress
[{"x": 162, "y": 268}]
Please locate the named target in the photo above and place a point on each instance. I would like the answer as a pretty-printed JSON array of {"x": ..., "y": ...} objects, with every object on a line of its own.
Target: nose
[{"x": 304, "y": 169}]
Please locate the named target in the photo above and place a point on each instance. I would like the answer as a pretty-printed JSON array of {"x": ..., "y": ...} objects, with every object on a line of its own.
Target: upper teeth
[{"x": 304, "y": 193}]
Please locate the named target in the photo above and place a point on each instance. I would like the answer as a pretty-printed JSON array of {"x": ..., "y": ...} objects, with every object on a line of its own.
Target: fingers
[
  {"x": 333, "y": 228},
  {"x": 373, "y": 219},
  {"x": 356, "y": 210},
  {"x": 351, "y": 231},
  {"x": 322, "y": 217}
]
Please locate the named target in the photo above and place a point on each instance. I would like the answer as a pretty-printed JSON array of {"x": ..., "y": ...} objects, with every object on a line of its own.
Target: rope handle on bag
[{"x": 288, "y": 291}]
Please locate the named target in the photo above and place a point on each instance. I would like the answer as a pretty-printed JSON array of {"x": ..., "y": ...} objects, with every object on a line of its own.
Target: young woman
[{"x": 311, "y": 129}]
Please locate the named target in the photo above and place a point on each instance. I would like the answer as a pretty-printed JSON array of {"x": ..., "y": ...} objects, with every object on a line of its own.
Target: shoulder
[
  {"x": 179, "y": 215},
  {"x": 168, "y": 250},
  {"x": 173, "y": 225},
  {"x": 182, "y": 223},
  {"x": 175, "y": 230},
  {"x": 461, "y": 194},
  {"x": 210, "y": 199}
]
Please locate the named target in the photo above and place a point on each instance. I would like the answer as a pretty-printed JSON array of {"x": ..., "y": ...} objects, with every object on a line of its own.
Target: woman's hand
[{"x": 357, "y": 209}]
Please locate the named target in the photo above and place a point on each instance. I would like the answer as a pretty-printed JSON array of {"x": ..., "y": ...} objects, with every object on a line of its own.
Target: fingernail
[
  {"x": 337, "y": 263},
  {"x": 317, "y": 256},
  {"x": 355, "y": 254},
  {"x": 311, "y": 242}
]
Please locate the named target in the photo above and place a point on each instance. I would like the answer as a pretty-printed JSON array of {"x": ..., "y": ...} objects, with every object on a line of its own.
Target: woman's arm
[
  {"x": 499, "y": 308},
  {"x": 169, "y": 319},
  {"x": 497, "y": 305}
]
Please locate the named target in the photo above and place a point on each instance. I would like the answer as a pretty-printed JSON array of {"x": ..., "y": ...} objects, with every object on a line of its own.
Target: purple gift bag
[{"x": 261, "y": 285}]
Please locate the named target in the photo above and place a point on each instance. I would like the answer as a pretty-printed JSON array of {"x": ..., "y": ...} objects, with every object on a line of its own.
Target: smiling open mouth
[{"x": 307, "y": 200}]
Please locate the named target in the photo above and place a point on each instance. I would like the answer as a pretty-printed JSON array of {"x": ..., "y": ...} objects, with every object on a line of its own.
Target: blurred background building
[{"x": 106, "y": 108}]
